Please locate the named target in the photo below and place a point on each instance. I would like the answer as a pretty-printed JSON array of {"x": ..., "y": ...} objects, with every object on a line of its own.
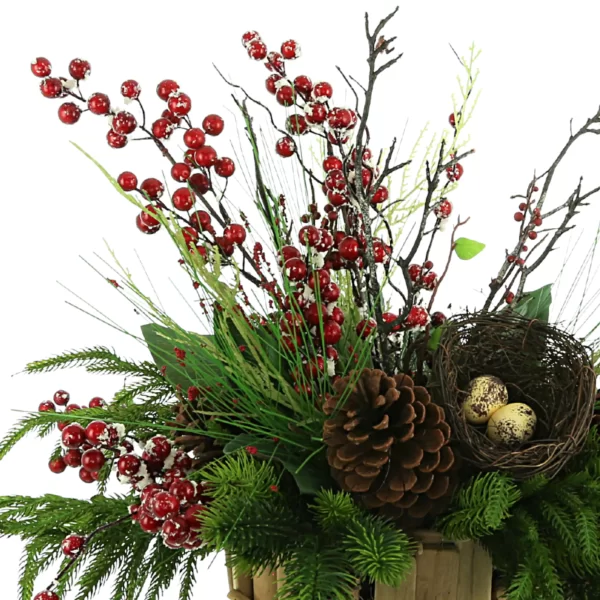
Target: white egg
[
  {"x": 486, "y": 395},
  {"x": 512, "y": 424}
]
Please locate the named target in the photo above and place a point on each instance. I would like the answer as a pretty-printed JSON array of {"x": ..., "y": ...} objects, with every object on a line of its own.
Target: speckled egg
[
  {"x": 486, "y": 395},
  {"x": 512, "y": 424}
]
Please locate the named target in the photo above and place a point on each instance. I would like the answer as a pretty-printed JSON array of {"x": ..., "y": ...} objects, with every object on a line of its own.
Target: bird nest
[{"x": 541, "y": 366}]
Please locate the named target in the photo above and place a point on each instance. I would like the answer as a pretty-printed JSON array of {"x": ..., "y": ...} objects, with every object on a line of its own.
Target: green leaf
[
  {"x": 311, "y": 474},
  {"x": 434, "y": 339},
  {"x": 536, "y": 304},
  {"x": 162, "y": 342},
  {"x": 467, "y": 249}
]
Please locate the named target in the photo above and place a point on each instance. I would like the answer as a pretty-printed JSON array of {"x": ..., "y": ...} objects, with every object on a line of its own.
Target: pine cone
[
  {"x": 203, "y": 448},
  {"x": 388, "y": 443}
]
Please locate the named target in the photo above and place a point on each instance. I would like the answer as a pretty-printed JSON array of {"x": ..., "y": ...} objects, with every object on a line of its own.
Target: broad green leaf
[
  {"x": 536, "y": 304},
  {"x": 467, "y": 249},
  {"x": 434, "y": 339},
  {"x": 311, "y": 476},
  {"x": 162, "y": 342}
]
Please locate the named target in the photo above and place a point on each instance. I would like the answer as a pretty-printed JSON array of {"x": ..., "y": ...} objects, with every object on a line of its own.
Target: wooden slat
[
  {"x": 465, "y": 570},
  {"x": 265, "y": 586},
  {"x": 280, "y": 578},
  {"x": 405, "y": 591},
  {"x": 233, "y": 595},
  {"x": 444, "y": 582},
  {"x": 243, "y": 584},
  {"x": 481, "y": 583}
]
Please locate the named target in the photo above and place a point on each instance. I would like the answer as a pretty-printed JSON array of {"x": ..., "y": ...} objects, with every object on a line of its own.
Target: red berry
[
  {"x": 389, "y": 317},
  {"x": 511, "y": 258},
  {"x": 192, "y": 516},
  {"x": 200, "y": 183},
  {"x": 337, "y": 314},
  {"x": 315, "y": 112},
  {"x": 183, "y": 199},
  {"x": 332, "y": 332},
  {"x": 79, "y": 69},
  {"x": 414, "y": 272},
  {"x": 182, "y": 461},
  {"x": 322, "y": 91},
  {"x": 116, "y": 140},
  {"x": 165, "y": 88},
  {"x": 181, "y": 172},
  {"x": 184, "y": 490},
  {"x": 380, "y": 195},
  {"x": 164, "y": 505},
  {"x": 131, "y": 89},
  {"x": 205, "y": 156},
  {"x": 175, "y": 530},
  {"x": 51, "y": 87},
  {"x": 149, "y": 524},
  {"x": 124, "y": 123},
  {"x": 152, "y": 188},
  {"x": 417, "y": 317},
  {"x": 57, "y": 465},
  {"x": 452, "y": 120},
  {"x": 128, "y": 181},
  {"x": 257, "y": 50},
  {"x": 224, "y": 167},
  {"x": 73, "y": 436},
  {"x": 194, "y": 138},
  {"x": 72, "y": 545},
  {"x": 47, "y": 595},
  {"x": 129, "y": 464},
  {"x": 303, "y": 85},
  {"x": 428, "y": 265},
  {"x": 97, "y": 433},
  {"x": 47, "y": 406},
  {"x": 336, "y": 139},
  {"x": 332, "y": 163},
  {"x": 285, "y": 147},
  {"x": 285, "y": 95},
  {"x": 290, "y": 50},
  {"x": 99, "y": 104},
  {"x": 271, "y": 82},
  {"x": 443, "y": 209},
  {"x": 73, "y": 408},
  {"x": 190, "y": 235},
  {"x": 532, "y": 235},
  {"x": 296, "y": 125},
  {"x": 171, "y": 476},
  {"x": 147, "y": 218},
  {"x": 438, "y": 318},
  {"x": 213, "y": 124},
  {"x": 509, "y": 297},
  {"x": 366, "y": 327},
  {"x": 41, "y": 67},
  {"x": 200, "y": 220},
  {"x": 330, "y": 293},
  {"x": 93, "y": 460},
  {"x": 537, "y": 221},
  {"x": 339, "y": 118},
  {"x": 296, "y": 269},
  {"x": 455, "y": 172},
  {"x": 250, "y": 36},
  {"x": 72, "y": 457},
  {"x": 519, "y": 216},
  {"x": 158, "y": 447},
  {"x": 145, "y": 228},
  {"x": 162, "y": 128},
  {"x": 179, "y": 104},
  {"x": 310, "y": 235},
  {"x": 319, "y": 278},
  {"x": 522, "y": 206},
  {"x": 429, "y": 281},
  {"x": 349, "y": 248},
  {"x": 520, "y": 261},
  {"x": 87, "y": 476},
  {"x": 235, "y": 233},
  {"x": 69, "y": 113}
]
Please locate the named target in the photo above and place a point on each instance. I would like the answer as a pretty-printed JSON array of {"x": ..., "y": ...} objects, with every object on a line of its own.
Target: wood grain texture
[{"x": 265, "y": 586}]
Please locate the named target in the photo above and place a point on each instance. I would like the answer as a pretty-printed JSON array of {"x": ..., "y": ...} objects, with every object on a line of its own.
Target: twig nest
[
  {"x": 486, "y": 394},
  {"x": 512, "y": 424}
]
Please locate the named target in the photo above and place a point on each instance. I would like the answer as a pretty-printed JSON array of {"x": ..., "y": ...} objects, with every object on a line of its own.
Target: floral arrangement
[{"x": 330, "y": 411}]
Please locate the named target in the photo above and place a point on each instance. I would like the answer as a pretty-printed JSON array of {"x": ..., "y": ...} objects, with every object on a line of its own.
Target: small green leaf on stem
[{"x": 467, "y": 249}]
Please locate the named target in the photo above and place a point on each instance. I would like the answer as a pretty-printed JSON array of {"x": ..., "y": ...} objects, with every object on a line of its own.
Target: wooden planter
[{"x": 442, "y": 570}]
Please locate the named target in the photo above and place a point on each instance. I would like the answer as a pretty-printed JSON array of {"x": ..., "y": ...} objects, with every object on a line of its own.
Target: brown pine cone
[
  {"x": 388, "y": 443},
  {"x": 203, "y": 448}
]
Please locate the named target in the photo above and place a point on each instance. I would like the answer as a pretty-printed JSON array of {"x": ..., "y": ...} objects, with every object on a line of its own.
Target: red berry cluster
[
  {"x": 422, "y": 276},
  {"x": 535, "y": 220},
  {"x": 169, "y": 503}
]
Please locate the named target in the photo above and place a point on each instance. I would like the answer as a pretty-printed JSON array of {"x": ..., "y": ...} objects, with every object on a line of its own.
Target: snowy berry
[
  {"x": 224, "y": 167},
  {"x": 235, "y": 233},
  {"x": 213, "y": 124},
  {"x": 285, "y": 147},
  {"x": 271, "y": 82},
  {"x": 290, "y": 50},
  {"x": 131, "y": 89},
  {"x": 116, "y": 140},
  {"x": 205, "y": 156},
  {"x": 129, "y": 465},
  {"x": 183, "y": 199},
  {"x": 149, "y": 524},
  {"x": 296, "y": 269},
  {"x": 285, "y": 95},
  {"x": 72, "y": 545},
  {"x": 97, "y": 433},
  {"x": 47, "y": 595},
  {"x": 145, "y": 228},
  {"x": 73, "y": 436},
  {"x": 162, "y": 128},
  {"x": 51, "y": 87},
  {"x": 72, "y": 457},
  {"x": 164, "y": 505},
  {"x": 332, "y": 332},
  {"x": 443, "y": 209},
  {"x": 179, "y": 104},
  {"x": 438, "y": 318},
  {"x": 175, "y": 531},
  {"x": 380, "y": 195},
  {"x": 152, "y": 188},
  {"x": 181, "y": 172},
  {"x": 93, "y": 460},
  {"x": 322, "y": 91},
  {"x": 47, "y": 406},
  {"x": 349, "y": 248},
  {"x": 366, "y": 327},
  {"x": 455, "y": 172},
  {"x": 296, "y": 125},
  {"x": 128, "y": 181},
  {"x": 79, "y": 69},
  {"x": 165, "y": 88},
  {"x": 417, "y": 317},
  {"x": 274, "y": 62},
  {"x": 41, "y": 67},
  {"x": 257, "y": 50},
  {"x": 303, "y": 85},
  {"x": 99, "y": 104},
  {"x": 124, "y": 123},
  {"x": 69, "y": 113}
]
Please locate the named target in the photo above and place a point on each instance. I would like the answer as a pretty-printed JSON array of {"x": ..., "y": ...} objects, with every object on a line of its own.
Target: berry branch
[{"x": 531, "y": 217}]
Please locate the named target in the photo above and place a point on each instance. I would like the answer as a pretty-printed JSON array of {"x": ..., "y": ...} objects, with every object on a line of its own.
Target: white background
[{"x": 539, "y": 69}]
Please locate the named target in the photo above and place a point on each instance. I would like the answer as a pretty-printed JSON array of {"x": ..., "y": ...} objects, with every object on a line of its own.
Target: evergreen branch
[
  {"x": 40, "y": 423},
  {"x": 188, "y": 576},
  {"x": 162, "y": 566}
]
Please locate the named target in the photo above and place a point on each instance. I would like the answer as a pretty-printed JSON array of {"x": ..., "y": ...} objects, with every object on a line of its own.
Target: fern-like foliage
[
  {"x": 481, "y": 506},
  {"x": 134, "y": 556}
]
